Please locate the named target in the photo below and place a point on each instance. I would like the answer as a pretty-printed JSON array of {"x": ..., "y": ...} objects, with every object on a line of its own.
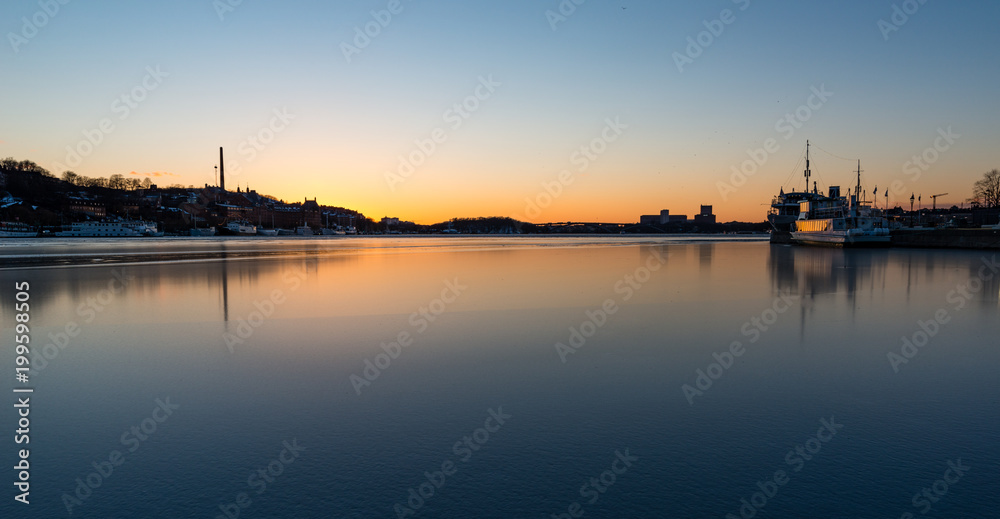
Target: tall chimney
[{"x": 222, "y": 170}]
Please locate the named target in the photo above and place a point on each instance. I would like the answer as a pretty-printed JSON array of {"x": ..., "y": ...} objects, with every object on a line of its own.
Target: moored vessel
[
  {"x": 239, "y": 228},
  {"x": 125, "y": 228},
  {"x": 839, "y": 221},
  {"x": 17, "y": 230},
  {"x": 785, "y": 207},
  {"x": 203, "y": 232}
]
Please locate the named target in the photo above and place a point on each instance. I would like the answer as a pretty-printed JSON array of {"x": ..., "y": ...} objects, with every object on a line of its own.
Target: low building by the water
[{"x": 704, "y": 217}]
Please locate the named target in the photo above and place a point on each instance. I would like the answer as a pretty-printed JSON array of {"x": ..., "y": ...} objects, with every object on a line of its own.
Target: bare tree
[
  {"x": 116, "y": 181},
  {"x": 95, "y": 182},
  {"x": 9, "y": 164},
  {"x": 987, "y": 188},
  {"x": 146, "y": 183},
  {"x": 30, "y": 167},
  {"x": 70, "y": 177}
]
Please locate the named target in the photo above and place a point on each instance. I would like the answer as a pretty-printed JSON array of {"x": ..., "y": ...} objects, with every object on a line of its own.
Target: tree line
[{"x": 115, "y": 181}]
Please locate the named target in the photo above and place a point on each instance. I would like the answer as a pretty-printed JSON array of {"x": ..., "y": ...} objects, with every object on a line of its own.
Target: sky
[{"x": 541, "y": 110}]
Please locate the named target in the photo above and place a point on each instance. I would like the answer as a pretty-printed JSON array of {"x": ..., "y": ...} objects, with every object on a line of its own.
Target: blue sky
[{"x": 352, "y": 120}]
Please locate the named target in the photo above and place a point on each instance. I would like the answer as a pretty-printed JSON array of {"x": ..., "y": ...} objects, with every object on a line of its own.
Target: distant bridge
[{"x": 589, "y": 227}]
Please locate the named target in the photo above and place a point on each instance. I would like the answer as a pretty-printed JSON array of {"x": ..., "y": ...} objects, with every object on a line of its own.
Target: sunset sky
[{"x": 307, "y": 108}]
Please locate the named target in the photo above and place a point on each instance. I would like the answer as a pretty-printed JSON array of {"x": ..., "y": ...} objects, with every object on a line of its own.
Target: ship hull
[
  {"x": 840, "y": 239},
  {"x": 131, "y": 229},
  {"x": 781, "y": 223},
  {"x": 238, "y": 229}
]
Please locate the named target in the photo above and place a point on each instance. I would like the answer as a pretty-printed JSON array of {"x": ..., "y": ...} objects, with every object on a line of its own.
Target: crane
[{"x": 935, "y": 197}]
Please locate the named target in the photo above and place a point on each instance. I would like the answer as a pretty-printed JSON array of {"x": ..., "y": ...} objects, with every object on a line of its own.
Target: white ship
[
  {"x": 235, "y": 228},
  {"x": 127, "y": 228},
  {"x": 17, "y": 230},
  {"x": 304, "y": 230},
  {"x": 836, "y": 221}
]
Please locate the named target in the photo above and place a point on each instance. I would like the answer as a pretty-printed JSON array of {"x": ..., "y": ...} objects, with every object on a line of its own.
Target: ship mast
[
  {"x": 808, "y": 173},
  {"x": 857, "y": 192}
]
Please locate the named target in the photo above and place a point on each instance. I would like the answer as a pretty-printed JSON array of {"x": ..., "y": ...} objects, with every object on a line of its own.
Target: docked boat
[
  {"x": 304, "y": 230},
  {"x": 204, "y": 233},
  {"x": 261, "y": 231},
  {"x": 326, "y": 231},
  {"x": 125, "y": 228},
  {"x": 239, "y": 228},
  {"x": 17, "y": 230},
  {"x": 785, "y": 207},
  {"x": 839, "y": 221}
]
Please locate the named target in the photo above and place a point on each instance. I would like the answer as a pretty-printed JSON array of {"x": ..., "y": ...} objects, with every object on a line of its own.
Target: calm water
[{"x": 537, "y": 378}]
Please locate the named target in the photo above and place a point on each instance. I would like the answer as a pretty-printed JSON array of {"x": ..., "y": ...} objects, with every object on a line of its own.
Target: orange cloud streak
[{"x": 154, "y": 174}]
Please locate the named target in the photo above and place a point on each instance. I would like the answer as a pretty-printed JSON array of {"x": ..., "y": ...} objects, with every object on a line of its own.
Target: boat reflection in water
[{"x": 844, "y": 284}]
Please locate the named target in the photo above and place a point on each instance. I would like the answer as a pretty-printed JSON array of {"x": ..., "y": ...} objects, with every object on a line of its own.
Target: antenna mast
[
  {"x": 857, "y": 190},
  {"x": 808, "y": 173}
]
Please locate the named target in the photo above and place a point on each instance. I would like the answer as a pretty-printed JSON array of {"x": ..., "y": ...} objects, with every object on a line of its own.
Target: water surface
[{"x": 263, "y": 344}]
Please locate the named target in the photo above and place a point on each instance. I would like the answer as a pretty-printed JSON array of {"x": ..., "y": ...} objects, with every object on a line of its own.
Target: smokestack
[{"x": 222, "y": 170}]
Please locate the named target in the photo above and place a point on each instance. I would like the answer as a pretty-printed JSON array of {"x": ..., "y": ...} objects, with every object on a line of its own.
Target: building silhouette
[{"x": 704, "y": 217}]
